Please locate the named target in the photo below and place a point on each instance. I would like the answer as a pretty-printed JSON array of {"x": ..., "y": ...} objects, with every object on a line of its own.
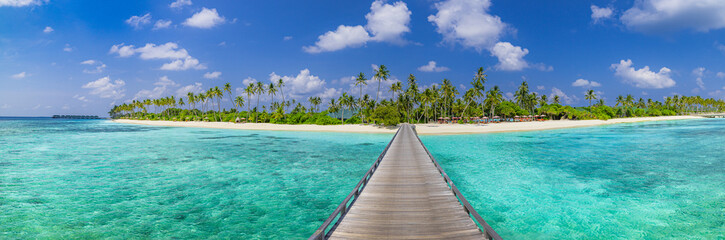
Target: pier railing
[
  {"x": 334, "y": 219},
  {"x": 487, "y": 230}
]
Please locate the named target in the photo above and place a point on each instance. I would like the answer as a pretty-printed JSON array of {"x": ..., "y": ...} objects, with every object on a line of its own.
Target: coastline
[{"x": 422, "y": 129}]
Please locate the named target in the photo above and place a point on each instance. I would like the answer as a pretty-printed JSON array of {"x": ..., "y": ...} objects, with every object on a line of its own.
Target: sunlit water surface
[{"x": 97, "y": 179}]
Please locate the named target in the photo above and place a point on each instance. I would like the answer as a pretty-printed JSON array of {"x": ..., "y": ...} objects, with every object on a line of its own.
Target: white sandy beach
[{"x": 423, "y": 129}]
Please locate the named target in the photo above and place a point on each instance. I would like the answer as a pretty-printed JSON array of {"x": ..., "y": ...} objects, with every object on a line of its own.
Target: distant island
[
  {"x": 439, "y": 103},
  {"x": 76, "y": 116}
]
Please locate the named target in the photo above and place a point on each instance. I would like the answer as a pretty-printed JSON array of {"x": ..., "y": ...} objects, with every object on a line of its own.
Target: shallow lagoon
[{"x": 98, "y": 179}]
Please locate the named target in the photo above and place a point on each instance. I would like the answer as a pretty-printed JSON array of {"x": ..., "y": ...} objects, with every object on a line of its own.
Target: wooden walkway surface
[{"x": 406, "y": 198}]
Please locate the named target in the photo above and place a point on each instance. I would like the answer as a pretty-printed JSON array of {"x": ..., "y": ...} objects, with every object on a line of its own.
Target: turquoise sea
[{"x": 76, "y": 179}]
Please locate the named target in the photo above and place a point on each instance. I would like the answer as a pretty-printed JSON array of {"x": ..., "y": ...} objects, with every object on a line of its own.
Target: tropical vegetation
[{"x": 408, "y": 102}]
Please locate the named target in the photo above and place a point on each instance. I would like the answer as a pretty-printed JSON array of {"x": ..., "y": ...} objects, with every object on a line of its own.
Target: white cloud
[
  {"x": 388, "y": 22},
  {"x": 302, "y": 85},
  {"x": 721, "y": 74},
  {"x": 343, "y": 37},
  {"x": 212, "y": 75},
  {"x": 138, "y": 21},
  {"x": 287, "y": 38},
  {"x": 162, "y": 24},
  {"x": 248, "y": 81},
  {"x": 180, "y": 3},
  {"x": 602, "y": 13},
  {"x": 643, "y": 77},
  {"x": 699, "y": 73},
  {"x": 585, "y": 83},
  {"x": 165, "y": 51},
  {"x": 206, "y": 18},
  {"x": 19, "y": 75},
  {"x": 666, "y": 16},
  {"x": 160, "y": 90},
  {"x": 105, "y": 88},
  {"x": 510, "y": 57},
  {"x": 20, "y": 3},
  {"x": 431, "y": 67},
  {"x": 99, "y": 69},
  {"x": 564, "y": 98},
  {"x": 123, "y": 51},
  {"x": 89, "y": 62},
  {"x": 181, "y": 58},
  {"x": 185, "y": 64},
  {"x": 540, "y": 88},
  {"x": 720, "y": 47},
  {"x": 79, "y": 98},
  {"x": 194, "y": 88},
  {"x": 67, "y": 48},
  {"x": 468, "y": 22},
  {"x": 48, "y": 29}
]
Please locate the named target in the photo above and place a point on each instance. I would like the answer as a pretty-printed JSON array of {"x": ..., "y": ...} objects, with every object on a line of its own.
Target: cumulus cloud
[
  {"x": 180, "y": 3},
  {"x": 161, "y": 89},
  {"x": 105, "y": 88},
  {"x": 601, "y": 13},
  {"x": 643, "y": 77},
  {"x": 212, "y": 75},
  {"x": 343, "y": 37},
  {"x": 193, "y": 88},
  {"x": 67, "y": 48},
  {"x": 181, "y": 58},
  {"x": 48, "y": 29},
  {"x": 585, "y": 83},
  {"x": 80, "y": 98},
  {"x": 287, "y": 38},
  {"x": 206, "y": 18},
  {"x": 138, "y": 21},
  {"x": 162, "y": 24},
  {"x": 386, "y": 23},
  {"x": 99, "y": 68},
  {"x": 468, "y": 23},
  {"x": 20, "y": 3},
  {"x": 89, "y": 62},
  {"x": 666, "y": 16},
  {"x": 302, "y": 85},
  {"x": 721, "y": 75},
  {"x": 248, "y": 81},
  {"x": 431, "y": 67},
  {"x": 19, "y": 75},
  {"x": 568, "y": 99},
  {"x": 510, "y": 57},
  {"x": 699, "y": 73}
]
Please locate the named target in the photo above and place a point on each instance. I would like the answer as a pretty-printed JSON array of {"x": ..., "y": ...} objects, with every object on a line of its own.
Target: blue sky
[{"x": 81, "y": 57}]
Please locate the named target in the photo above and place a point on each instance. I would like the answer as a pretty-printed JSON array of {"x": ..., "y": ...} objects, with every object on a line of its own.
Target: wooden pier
[{"x": 405, "y": 195}]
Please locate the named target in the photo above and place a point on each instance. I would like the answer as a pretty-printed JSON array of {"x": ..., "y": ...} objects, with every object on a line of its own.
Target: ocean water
[
  {"x": 89, "y": 179},
  {"x": 655, "y": 180}
]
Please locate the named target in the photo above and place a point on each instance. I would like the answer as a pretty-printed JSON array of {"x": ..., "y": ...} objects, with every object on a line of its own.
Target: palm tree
[
  {"x": 259, "y": 89},
  {"x": 239, "y": 101},
  {"x": 381, "y": 74},
  {"x": 280, "y": 86},
  {"x": 228, "y": 90},
  {"x": 272, "y": 91},
  {"x": 557, "y": 99},
  {"x": 590, "y": 96},
  {"x": 521, "y": 94},
  {"x": 219, "y": 94},
  {"x": 478, "y": 84},
  {"x": 494, "y": 97},
  {"x": 361, "y": 81},
  {"x": 395, "y": 87},
  {"x": 249, "y": 90},
  {"x": 344, "y": 101}
]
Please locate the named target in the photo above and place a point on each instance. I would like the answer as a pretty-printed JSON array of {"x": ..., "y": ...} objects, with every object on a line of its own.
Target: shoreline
[{"x": 422, "y": 129}]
